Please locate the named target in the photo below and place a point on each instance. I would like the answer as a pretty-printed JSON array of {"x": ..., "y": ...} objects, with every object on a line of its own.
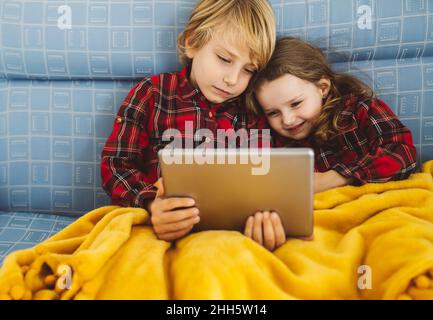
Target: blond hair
[
  {"x": 304, "y": 61},
  {"x": 251, "y": 21}
]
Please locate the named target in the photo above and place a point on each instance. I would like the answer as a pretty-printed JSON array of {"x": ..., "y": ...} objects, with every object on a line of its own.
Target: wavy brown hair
[{"x": 300, "y": 59}]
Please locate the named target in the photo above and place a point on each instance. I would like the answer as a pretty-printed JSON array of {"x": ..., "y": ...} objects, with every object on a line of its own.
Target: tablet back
[{"x": 231, "y": 184}]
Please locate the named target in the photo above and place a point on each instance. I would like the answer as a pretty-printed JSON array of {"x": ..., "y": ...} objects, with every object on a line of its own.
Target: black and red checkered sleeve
[
  {"x": 392, "y": 154},
  {"x": 122, "y": 154}
]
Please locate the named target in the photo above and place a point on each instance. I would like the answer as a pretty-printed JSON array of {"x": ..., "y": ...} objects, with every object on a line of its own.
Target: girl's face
[{"x": 292, "y": 105}]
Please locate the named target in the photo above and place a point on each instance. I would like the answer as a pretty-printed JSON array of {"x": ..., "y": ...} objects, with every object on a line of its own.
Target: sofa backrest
[{"x": 65, "y": 67}]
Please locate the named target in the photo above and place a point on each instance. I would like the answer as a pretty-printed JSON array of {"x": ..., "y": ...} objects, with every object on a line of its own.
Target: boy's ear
[
  {"x": 324, "y": 85},
  {"x": 189, "y": 51}
]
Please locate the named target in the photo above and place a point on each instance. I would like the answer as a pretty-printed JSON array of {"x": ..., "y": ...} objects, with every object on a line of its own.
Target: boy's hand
[
  {"x": 169, "y": 222},
  {"x": 266, "y": 228}
]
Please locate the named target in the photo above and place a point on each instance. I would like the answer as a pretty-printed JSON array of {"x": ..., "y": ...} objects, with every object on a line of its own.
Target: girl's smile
[
  {"x": 295, "y": 129},
  {"x": 292, "y": 105}
]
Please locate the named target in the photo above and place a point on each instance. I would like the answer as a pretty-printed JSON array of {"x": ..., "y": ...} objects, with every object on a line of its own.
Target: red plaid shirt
[
  {"x": 129, "y": 165},
  {"x": 373, "y": 147}
]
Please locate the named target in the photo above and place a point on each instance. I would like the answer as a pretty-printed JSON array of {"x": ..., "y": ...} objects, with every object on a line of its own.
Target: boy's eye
[
  {"x": 250, "y": 71},
  {"x": 223, "y": 59}
]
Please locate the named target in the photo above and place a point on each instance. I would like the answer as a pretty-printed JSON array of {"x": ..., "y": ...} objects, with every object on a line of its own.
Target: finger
[
  {"x": 257, "y": 228},
  {"x": 309, "y": 238},
  {"x": 174, "y": 227},
  {"x": 249, "y": 227},
  {"x": 268, "y": 231},
  {"x": 171, "y": 204},
  {"x": 280, "y": 234},
  {"x": 175, "y": 216},
  {"x": 160, "y": 192},
  {"x": 170, "y": 236}
]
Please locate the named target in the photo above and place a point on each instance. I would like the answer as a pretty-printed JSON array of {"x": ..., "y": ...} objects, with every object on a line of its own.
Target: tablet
[{"x": 229, "y": 185}]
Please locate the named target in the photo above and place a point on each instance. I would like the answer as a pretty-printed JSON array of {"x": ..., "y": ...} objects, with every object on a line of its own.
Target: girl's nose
[{"x": 289, "y": 119}]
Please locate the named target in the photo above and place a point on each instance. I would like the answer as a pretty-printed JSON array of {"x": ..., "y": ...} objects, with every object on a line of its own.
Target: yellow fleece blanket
[{"x": 370, "y": 242}]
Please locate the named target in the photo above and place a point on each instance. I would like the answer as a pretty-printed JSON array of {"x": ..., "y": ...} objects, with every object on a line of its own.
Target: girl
[{"x": 356, "y": 138}]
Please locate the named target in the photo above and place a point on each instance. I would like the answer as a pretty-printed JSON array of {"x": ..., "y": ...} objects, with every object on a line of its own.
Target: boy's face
[
  {"x": 220, "y": 69},
  {"x": 292, "y": 105}
]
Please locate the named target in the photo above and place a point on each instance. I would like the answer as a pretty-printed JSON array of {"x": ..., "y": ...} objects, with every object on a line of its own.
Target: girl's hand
[
  {"x": 266, "y": 228},
  {"x": 172, "y": 218},
  {"x": 328, "y": 180}
]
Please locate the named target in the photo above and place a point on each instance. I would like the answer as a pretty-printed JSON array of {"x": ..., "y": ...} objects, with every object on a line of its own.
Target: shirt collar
[
  {"x": 347, "y": 115},
  {"x": 188, "y": 91}
]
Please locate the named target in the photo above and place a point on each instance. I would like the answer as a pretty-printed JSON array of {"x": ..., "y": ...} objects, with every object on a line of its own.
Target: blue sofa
[{"x": 65, "y": 67}]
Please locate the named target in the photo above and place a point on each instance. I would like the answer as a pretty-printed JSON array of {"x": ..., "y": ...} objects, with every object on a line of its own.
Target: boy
[{"x": 224, "y": 43}]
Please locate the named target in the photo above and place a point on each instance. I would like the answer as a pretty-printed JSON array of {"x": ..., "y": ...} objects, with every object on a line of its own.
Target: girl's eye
[
  {"x": 271, "y": 114},
  {"x": 295, "y": 104},
  {"x": 223, "y": 59},
  {"x": 250, "y": 71}
]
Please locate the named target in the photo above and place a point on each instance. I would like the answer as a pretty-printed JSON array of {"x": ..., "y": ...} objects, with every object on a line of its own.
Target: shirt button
[
  {"x": 210, "y": 114},
  {"x": 119, "y": 120}
]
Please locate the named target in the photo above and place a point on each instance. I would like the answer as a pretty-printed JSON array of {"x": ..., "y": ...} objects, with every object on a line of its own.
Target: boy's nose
[{"x": 232, "y": 78}]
